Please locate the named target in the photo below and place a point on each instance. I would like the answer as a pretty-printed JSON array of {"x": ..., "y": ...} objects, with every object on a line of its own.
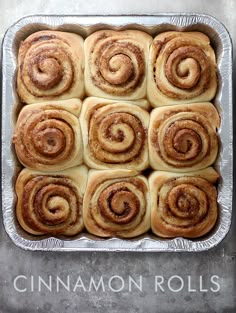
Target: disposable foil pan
[{"x": 85, "y": 25}]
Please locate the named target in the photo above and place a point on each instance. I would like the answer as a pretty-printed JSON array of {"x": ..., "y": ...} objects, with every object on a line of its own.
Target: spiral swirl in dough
[
  {"x": 182, "y": 69},
  {"x": 51, "y": 203},
  {"x": 116, "y": 64},
  {"x": 47, "y": 135},
  {"x": 50, "y": 67},
  {"x": 114, "y": 134},
  {"x": 183, "y": 137},
  {"x": 183, "y": 205},
  {"x": 116, "y": 204}
]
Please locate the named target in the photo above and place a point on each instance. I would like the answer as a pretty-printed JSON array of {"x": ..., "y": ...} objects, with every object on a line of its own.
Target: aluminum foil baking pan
[{"x": 85, "y": 25}]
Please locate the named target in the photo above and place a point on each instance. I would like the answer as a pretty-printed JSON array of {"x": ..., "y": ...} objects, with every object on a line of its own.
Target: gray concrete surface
[{"x": 196, "y": 282}]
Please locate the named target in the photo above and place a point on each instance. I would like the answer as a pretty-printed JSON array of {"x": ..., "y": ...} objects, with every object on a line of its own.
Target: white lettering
[
  {"x": 159, "y": 280},
  {"x": 42, "y": 282},
  {"x": 201, "y": 283},
  {"x": 32, "y": 283},
  {"x": 213, "y": 280},
  {"x": 189, "y": 285},
  {"x": 116, "y": 278},
  {"x": 79, "y": 284},
  {"x": 96, "y": 287},
  {"x": 15, "y": 283},
  {"x": 138, "y": 285},
  {"x": 66, "y": 285},
  {"x": 181, "y": 283}
]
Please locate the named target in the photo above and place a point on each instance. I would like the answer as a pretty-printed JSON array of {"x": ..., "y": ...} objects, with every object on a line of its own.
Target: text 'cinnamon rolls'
[
  {"x": 47, "y": 135},
  {"x": 51, "y": 203},
  {"x": 183, "y": 205},
  {"x": 116, "y": 64},
  {"x": 183, "y": 137},
  {"x": 116, "y": 203},
  {"x": 50, "y": 67},
  {"x": 114, "y": 134},
  {"x": 181, "y": 69}
]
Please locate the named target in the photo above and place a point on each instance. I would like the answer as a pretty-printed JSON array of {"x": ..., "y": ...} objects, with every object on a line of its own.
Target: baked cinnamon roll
[
  {"x": 50, "y": 67},
  {"x": 181, "y": 69},
  {"x": 183, "y": 205},
  {"x": 183, "y": 137},
  {"x": 47, "y": 135},
  {"x": 116, "y": 203},
  {"x": 116, "y": 64},
  {"x": 51, "y": 203},
  {"x": 114, "y": 134}
]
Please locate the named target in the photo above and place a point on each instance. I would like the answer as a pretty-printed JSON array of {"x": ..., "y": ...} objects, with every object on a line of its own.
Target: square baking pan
[{"x": 85, "y": 25}]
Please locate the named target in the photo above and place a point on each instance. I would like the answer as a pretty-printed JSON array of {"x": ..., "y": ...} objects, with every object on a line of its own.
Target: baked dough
[
  {"x": 181, "y": 69},
  {"x": 183, "y": 137},
  {"x": 50, "y": 67},
  {"x": 116, "y": 204},
  {"x": 51, "y": 203},
  {"x": 183, "y": 205},
  {"x": 47, "y": 135},
  {"x": 116, "y": 64},
  {"x": 114, "y": 134}
]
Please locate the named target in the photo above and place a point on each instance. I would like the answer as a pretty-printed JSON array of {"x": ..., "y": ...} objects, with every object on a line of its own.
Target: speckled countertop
[{"x": 88, "y": 282}]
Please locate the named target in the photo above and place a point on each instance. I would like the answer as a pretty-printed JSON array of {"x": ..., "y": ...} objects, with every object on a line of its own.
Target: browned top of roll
[
  {"x": 50, "y": 64},
  {"x": 116, "y": 63},
  {"x": 51, "y": 203},
  {"x": 182, "y": 68},
  {"x": 183, "y": 205},
  {"x": 47, "y": 135}
]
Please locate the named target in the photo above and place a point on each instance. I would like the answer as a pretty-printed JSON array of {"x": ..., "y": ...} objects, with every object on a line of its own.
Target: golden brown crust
[
  {"x": 116, "y": 204},
  {"x": 47, "y": 135},
  {"x": 183, "y": 137},
  {"x": 115, "y": 64},
  {"x": 183, "y": 205},
  {"x": 181, "y": 69},
  {"x": 114, "y": 134},
  {"x": 51, "y": 203},
  {"x": 50, "y": 67}
]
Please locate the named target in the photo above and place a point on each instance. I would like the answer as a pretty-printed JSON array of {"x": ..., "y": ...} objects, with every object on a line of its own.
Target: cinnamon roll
[
  {"x": 183, "y": 137},
  {"x": 114, "y": 134},
  {"x": 183, "y": 205},
  {"x": 50, "y": 67},
  {"x": 181, "y": 69},
  {"x": 51, "y": 203},
  {"x": 47, "y": 135},
  {"x": 115, "y": 64},
  {"x": 116, "y": 203}
]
